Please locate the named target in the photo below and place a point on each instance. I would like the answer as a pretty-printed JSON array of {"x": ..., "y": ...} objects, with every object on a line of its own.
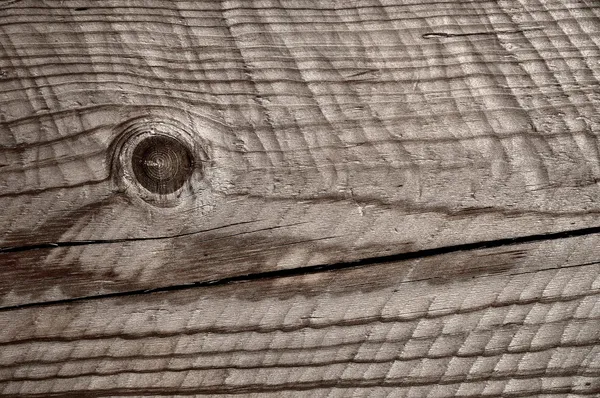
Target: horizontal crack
[
  {"x": 327, "y": 267},
  {"x": 53, "y": 245},
  {"x": 433, "y": 35}
]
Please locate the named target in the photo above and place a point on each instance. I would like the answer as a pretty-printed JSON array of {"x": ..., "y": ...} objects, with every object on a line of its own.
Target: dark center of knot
[{"x": 161, "y": 164}]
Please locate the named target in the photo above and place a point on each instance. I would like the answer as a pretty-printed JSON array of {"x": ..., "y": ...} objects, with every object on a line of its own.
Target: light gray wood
[
  {"x": 363, "y": 198},
  {"x": 329, "y": 132},
  {"x": 404, "y": 329}
]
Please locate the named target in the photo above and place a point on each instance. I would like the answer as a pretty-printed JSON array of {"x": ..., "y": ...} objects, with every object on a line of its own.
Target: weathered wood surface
[
  {"x": 332, "y": 132},
  {"x": 408, "y": 190},
  {"x": 446, "y": 325}
]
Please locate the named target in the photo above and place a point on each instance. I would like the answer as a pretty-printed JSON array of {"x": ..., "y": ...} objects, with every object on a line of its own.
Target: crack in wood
[
  {"x": 54, "y": 245},
  {"x": 299, "y": 271},
  {"x": 434, "y": 35}
]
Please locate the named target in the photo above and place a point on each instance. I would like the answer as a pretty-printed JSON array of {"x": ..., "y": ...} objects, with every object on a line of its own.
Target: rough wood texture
[
  {"x": 333, "y": 131},
  {"x": 398, "y": 329},
  {"x": 408, "y": 188}
]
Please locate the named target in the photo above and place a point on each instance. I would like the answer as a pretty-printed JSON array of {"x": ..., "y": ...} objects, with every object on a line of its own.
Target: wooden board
[
  {"x": 373, "y": 160},
  {"x": 483, "y": 323},
  {"x": 325, "y": 133}
]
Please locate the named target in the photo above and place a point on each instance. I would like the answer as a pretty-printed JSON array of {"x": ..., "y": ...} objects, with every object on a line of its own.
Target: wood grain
[
  {"x": 328, "y": 132},
  {"x": 298, "y": 198},
  {"x": 483, "y": 323}
]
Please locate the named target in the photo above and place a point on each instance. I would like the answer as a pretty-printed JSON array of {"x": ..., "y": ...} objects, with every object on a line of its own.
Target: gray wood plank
[
  {"x": 321, "y": 133},
  {"x": 515, "y": 321},
  {"x": 318, "y": 133}
]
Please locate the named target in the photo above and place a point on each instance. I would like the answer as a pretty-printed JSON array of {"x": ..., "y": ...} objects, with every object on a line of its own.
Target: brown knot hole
[{"x": 162, "y": 164}]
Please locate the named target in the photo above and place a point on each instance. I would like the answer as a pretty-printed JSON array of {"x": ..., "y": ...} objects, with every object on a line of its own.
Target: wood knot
[{"x": 161, "y": 164}]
